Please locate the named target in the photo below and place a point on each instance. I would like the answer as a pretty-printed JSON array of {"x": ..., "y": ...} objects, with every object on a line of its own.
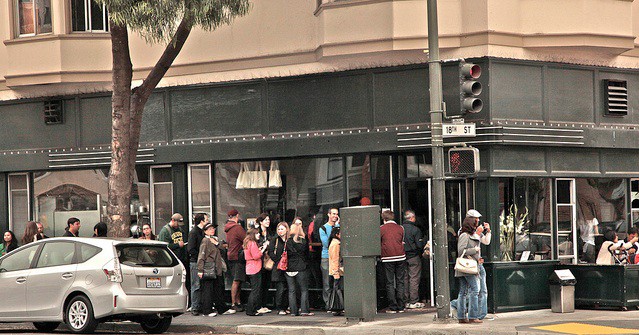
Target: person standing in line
[
  {"x": 30, "y": 233},
  {"x": 100, "y": 229},
  {"x": 484, "y": 238},
  {"x": 235, "y": 235},
  {"x": 468, "y": 284},
  {"x": 193, "y": 248},
  {"x": 296, "y": 272},
  {"x": 211, "y": 289},
  {"x": 413, "y": 246},
  {"x": 172, "y": 234},
  {"x": 73, "y": 228},
  {"x": 335, "y": 263},
  {"x": 275, "y": 250},
  {"x": 41, "y": 234},
  {"x": 9, "y": 243},
  {"x": 263, "y": 224},
  {"x": 147, "y": 232},
  {"x": 314, "y": 251},
  {"x": 253, "y": 255},
  {"x": 393, "y": 261},
  {"x": 325, "y": 233}
]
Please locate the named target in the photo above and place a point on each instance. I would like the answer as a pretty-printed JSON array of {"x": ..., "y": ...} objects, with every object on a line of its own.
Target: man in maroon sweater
[
  {"x": 393, "y": 261},
  {"x": 235, "y": 235}
]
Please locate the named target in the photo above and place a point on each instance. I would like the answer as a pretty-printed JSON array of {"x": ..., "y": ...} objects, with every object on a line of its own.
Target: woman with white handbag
[{"x": 466, "y": 269}]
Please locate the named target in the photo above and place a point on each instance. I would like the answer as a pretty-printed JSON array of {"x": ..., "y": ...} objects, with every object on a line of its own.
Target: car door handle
[
  {"x": 67, "y": 275},
  {"x": 21, "y": 280}
]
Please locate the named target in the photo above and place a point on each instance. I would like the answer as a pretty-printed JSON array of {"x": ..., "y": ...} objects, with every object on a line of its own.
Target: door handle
[
  {"x": 67, "y": 275},
  {"x": 21, "y": 280}
]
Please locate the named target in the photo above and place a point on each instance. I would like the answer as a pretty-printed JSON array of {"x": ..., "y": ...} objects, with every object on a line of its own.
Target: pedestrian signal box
[{"x": 463, "y": 161}]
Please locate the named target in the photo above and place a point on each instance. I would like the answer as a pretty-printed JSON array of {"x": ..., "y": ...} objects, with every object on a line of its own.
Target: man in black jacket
[
  {"x": 195, "y": 239},
  {"x": 413, "y": 245}
]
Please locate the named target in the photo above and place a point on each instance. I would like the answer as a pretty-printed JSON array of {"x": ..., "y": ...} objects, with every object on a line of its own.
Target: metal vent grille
[
  {"x": 615, "y": 97},
  {"x": 53, "y": 112}
]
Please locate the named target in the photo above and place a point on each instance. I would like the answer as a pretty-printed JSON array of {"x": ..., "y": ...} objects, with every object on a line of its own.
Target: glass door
[{"x": 200, "y": 200}]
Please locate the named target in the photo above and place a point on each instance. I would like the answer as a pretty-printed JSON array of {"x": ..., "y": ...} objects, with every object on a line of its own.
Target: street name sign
[{"x": 458, "y": 129}]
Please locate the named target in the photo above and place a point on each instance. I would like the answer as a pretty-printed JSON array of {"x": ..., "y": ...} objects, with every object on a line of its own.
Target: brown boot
[{"x": 464, "y": 321}]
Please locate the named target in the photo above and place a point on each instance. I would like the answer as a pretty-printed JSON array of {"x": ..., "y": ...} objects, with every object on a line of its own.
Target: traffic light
[
  {"x": 469, "y": 88},
  {"x": 463, "y": 161}
]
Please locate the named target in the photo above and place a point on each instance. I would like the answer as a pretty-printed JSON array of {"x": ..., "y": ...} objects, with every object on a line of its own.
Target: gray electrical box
[
  {"x": 360, "y": 246},
  {"x": 360, "y": 231}
]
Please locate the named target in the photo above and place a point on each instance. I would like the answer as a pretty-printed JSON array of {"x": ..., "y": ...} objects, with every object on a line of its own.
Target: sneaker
[
  {"x": 453, "y": 312},
  {"x": 263, "y": 310},
  {"x": 489, "y": 318},
  {"x": 195, "y": 313},
  {"x": 281, "y": 312},
  {"x": 390, "y": 311},
  {"x": 401, "y": 311},
  {"x": 230, "y": 311},
  {"x": 329, "y": 311},
  {"x": 188, "y": 309},
  {"x": 413, "y": 306},
  {"x": 212, "y": 314},
  {"x": 239, "y": 308},
  {"x": 307, "y": 314},
  {"x": 253, "y": 314},
  {"x": 420, "y": 304}
]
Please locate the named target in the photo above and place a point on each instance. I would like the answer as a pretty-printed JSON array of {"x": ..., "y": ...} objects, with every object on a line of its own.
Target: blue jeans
[
  {"x": 299, "y": 280},
  {"x": 482, "y": 300},
  {"x": 468, "y": 296},
  {"x": 327, "y": 283},
  {"x": 195, "y": 287}
]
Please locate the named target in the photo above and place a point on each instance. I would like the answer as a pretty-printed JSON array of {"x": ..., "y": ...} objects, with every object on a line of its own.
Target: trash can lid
[{"x": 562, "y": 277}]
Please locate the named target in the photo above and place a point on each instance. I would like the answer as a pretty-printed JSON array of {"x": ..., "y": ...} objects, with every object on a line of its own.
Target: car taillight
[
  {"x": 112, "y": 271},
  {"x": 183, "y": 274}
]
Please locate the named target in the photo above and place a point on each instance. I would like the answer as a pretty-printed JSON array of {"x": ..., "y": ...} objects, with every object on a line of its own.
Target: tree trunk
[
  {"x": 127, "y": 108},
  {"x": 120, "y": 185}
]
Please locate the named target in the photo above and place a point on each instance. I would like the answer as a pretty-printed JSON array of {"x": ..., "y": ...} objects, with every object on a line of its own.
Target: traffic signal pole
[{"x": 440, "y": 247}]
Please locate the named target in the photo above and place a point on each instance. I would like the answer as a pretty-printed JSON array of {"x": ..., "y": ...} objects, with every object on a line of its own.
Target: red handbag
[{"x": 283, "y": 264}]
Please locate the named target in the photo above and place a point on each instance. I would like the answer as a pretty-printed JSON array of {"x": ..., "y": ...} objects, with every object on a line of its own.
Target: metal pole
[{"x": 440, "y": 247}]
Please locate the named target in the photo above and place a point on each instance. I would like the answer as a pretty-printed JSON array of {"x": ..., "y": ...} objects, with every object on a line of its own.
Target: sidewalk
[{"x": 413, "y": 322}]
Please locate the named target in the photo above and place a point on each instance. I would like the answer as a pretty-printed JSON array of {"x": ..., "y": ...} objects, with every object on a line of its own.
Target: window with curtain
[{"x": 34, "y": 17}]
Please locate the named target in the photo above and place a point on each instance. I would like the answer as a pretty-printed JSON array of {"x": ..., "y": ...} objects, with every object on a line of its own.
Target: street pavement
[
  {"x": 416, "y": 322},
  {"x": 410, "y": 323}
]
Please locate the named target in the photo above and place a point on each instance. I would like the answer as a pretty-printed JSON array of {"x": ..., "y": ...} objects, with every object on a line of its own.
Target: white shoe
[
  {"x": 282, "y": 312},
  {"x": 229, "y": 312},
  {"x": 413, "y": 306},
  {"x": 453, "y": 312},
  {"x": 263, "y": 310},
  {"x": 189, "y": 309},
  {"x": 420, "y": 304},
  {"x": 212, "y": 314}
]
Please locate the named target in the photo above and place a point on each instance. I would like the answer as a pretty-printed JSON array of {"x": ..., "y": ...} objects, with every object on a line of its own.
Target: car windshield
[{"x": 145, "y": 255}]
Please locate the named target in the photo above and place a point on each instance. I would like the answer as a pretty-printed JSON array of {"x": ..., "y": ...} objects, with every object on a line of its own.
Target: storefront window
[
  {"x": 601, "y": 206},
  {"x": 419, "y": 166},
  {"x": 368, "y": 180},
  {"x": 308, "y": 186},
  {"x": 200, "y": 190},
  {"x": 634, "y": 198},
  {"x": 60, "y": 195},
  {"x": 18, "y": 202},
  {"x": 162, "y": 196}
]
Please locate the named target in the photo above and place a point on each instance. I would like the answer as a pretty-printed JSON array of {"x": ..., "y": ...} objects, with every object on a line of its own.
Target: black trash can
[{"x": 562, "y": 291}]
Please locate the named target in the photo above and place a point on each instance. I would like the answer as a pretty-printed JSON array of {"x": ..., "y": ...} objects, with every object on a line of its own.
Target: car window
[
  {"x": 145, "y": 255},
  {"x": 19, "y": 260},
  {"x": 56, "y": 253},
  {"x": 87, "y": 251}
]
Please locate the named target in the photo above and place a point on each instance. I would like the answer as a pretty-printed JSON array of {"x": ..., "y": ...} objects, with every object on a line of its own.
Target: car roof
[{"x": 103, "y": 241}]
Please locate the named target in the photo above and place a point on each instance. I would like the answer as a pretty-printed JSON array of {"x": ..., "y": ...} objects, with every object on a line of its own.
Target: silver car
[{"x": 85, "y": 281}]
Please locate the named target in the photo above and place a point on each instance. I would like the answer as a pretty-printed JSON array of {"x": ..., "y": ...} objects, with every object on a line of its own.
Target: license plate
[{"x": 153, "y": 283}]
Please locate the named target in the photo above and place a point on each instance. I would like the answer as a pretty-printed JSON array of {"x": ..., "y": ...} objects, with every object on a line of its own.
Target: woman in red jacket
[{"x": 253, "y": 256}]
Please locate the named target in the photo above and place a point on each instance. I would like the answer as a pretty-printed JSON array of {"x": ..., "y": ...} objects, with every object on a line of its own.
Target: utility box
[
  {"x": 360, "y": 246},
  {"x": 562, "y": 291}
]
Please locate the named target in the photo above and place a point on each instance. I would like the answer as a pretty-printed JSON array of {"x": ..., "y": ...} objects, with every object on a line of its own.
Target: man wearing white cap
[{"x": 484, "y": 239}]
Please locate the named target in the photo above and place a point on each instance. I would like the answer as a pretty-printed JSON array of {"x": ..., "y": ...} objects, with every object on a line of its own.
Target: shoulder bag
[
  {"x": 267, "y": 262},
  {"x": 283, "y": 264},
  {"x": 466, "y": 265}
]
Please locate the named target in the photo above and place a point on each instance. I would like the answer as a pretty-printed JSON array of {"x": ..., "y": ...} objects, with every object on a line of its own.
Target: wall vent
[
  {"x": 53, "y": 112},
  {"x": 615, "y": 97}
]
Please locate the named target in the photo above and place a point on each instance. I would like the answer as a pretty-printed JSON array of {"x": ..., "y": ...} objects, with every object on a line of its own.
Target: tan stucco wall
[{"x": 283, "y": 37}]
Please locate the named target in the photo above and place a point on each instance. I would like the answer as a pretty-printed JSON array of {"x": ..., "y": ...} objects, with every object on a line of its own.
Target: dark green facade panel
[
  {"x": 95, "y": 121},
  {"x": 318, "y": 103},
  {"x": 574, "y": 162},
  {"x": 620, "y": 161},
  {"x": 216, "y": 111},
  {"x": 517, "y": 160},
  {"x": 570, "y": 94},
  {"x": 517, "y": 91},
  {"x": 154, "y": 120},
  {"x": 24, "y": 127},
  {"x": 410, "y": 104}
]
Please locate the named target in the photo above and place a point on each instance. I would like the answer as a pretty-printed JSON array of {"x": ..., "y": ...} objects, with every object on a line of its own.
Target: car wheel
[
  {"x": 46, "y": 327},
  {"x": 79, "y": 315},
  {"x": 156, "y": 325}
]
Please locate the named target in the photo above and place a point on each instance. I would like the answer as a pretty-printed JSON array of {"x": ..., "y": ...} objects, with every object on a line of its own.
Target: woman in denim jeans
[
  {"x": 468, "y": 284},
  {"x": 297, "y": 272}
]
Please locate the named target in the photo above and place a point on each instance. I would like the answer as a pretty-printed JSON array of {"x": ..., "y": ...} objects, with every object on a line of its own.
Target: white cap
[{"x": 473, "y": 214}]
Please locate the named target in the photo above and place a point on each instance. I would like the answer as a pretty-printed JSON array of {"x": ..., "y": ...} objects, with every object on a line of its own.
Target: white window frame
[
  {"x": 9, "y": 190},
  {"x": 573, "y": 206},
  {"x": 88, "y": 24},
  {"x": 35, "y": 28},
  {"x": 190, "y": 181}
]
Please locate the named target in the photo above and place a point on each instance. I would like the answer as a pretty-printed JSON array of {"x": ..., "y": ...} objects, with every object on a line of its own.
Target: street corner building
[{"x": 330, "y": 101}]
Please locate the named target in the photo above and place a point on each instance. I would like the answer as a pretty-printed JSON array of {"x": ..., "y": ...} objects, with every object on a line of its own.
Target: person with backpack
[
  {"x": 325, "y": 233},
  {"x": 413, "y": 246}
]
